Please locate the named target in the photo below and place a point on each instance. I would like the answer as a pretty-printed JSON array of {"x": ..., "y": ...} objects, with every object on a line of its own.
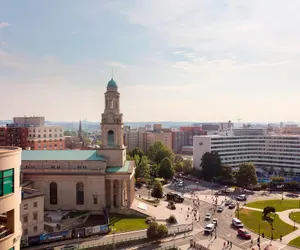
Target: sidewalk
[{"x": 217, "y": 243}]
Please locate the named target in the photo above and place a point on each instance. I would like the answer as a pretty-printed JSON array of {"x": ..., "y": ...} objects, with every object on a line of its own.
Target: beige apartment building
[
  {"x": 133, "y": 137},
  {"x": 150, "y": 137},
  {"x": 32, "y": 212},
  {"x": 10, "y": 198}
]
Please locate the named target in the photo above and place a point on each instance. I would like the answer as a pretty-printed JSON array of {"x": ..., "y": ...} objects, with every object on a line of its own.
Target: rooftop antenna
[{"x": 112, "y": 73}]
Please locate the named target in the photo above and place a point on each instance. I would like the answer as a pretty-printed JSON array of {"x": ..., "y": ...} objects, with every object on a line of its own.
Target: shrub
[
  {"x": 156, "y": 232},
  {"x": 172, "y": 219}
]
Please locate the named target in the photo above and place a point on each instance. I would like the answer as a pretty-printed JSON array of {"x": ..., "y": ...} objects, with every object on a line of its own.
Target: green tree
[
  {"x": 152, "y": 231},
  {"x": 178, "y": 158},
  {"x": 70, "y": 133},
  {"x": 98, "y": 142},
  {"x": 211, "y": 165},
  {"x": 142, "y": 170},
  {"x": 187, "y": 166},
  {"x": 154, "y": 170},
  {"x": 156, "y": 232},
  {"x": 281, "y": 171},
  {"x": 166, "y": 169},
  {"x": 136, "y": 151},
  {"x": 226, "y": 172},
  {"x": 291, "y": 172},
  {"x": 246, "y": 175},
  {"x": 157, "y": 190},
  {"x": 178, "y": 166},
  {"x": 162, "y": 231},
  {"x": 158, "y": 151},
  {"x": 268, "y": 210},
  {"x": 136, "y": 159}
]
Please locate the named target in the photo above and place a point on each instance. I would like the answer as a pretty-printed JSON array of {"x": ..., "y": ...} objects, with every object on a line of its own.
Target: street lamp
[
  {"x": 294, "y": 222},
  {"x": 78, "y": 241},
  {"x": 225, "y": 188},
  {"x": 113, "y": 229},
  {"x": 212, "y": 191},
  {"x": 238, "y": 210}
]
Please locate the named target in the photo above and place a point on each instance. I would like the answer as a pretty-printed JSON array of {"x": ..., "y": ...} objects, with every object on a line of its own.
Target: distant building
[
  {"x": 16, "y": 136},
  {"x": 150, "y": 137},
  {"x": 32, "y": 212},
  {"x": 264, "y": 151},
  {"x": 2, "y": 136},
  {"x": 133, "y": 137},
  {"x": 249, "y": 131},
  {"x": 29, "y": 121}
]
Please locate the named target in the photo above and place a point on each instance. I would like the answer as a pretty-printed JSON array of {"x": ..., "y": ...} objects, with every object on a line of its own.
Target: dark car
[{"x": 243, "y": 233}]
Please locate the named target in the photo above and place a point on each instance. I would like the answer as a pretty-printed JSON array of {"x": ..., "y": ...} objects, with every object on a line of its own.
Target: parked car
[
  {"x": 180, "y": 184},
  {"x": 241, "y": 197},
  {"x": 209, "y": 228},
  {"x": 227, "y": 202},
  {"x": 172, "y": 196},
  {"x": 208, "y": 216},
  {"x": 215, "y": 221},
  {"x": 237, "y": 223},
  {"x": 232, "y": 205},
  {"x": 220, "y": 209},
  {"x": 243, "y": 233}
]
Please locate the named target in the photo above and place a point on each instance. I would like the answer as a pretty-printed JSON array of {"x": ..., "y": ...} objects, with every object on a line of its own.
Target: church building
[{"x": 87, "y": 180}]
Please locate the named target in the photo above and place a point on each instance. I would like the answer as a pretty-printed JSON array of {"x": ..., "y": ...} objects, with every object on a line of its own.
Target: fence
[{"x": 137, "y": 240}]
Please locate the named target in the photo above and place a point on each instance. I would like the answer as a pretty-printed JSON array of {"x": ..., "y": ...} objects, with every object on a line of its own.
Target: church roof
[
  {"x": 127, "y": 168},
  {"x": 61, "y": 155},
  {"x": 112, "y": 84}
]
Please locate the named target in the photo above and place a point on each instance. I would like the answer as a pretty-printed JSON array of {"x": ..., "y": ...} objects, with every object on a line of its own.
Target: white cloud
[
  {"x": 4, "y": 24},
  {"x": 115, "y": 64},
  {"x": 3, "y": 43}
]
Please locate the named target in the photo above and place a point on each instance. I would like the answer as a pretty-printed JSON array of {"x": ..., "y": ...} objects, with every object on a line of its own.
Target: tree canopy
[
  {"x": 157, "y": 190},
  {"x": 142, "y": 170},
  {"x": 136, "y": 151},
  {"x": 166, "y": 169},
  {"x": 211, "y": 165},
  {"x": 158, "y": 151},
  {"x": 226, "y": 172},
  {"x": 156, "y": 232},
  {"x": 246, "y": 175}
]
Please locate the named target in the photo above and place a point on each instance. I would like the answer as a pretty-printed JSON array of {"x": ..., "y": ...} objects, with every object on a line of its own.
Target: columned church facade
[{"x": 86, "y": 179}]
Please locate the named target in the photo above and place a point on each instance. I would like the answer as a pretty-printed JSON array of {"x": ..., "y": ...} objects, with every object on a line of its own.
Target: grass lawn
[
  {"x": 295, "y": 216},
  {"x": 123, "y": 223},
  {"x": 295, "y": 242},
  {"x": 252, "y": 219},
  {"x": 280, "y": 205}
]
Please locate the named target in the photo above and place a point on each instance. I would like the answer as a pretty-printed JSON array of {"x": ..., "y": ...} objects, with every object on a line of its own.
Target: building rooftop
[
  {"x": 28, "y": 193},
  {"x": 7, "y": 149},
  {"x": 127, "y": 168},
  {"x": 112, "y": 84},
  {"x": 61, "y": 155}
]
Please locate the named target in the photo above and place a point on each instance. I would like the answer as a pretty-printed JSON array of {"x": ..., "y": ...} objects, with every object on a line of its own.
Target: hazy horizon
[{"x": 194, "y": 60}]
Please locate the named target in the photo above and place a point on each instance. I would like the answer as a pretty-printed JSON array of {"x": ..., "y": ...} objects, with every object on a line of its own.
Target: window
[
  {"x": 35, "y": 229},
  {"x": 35, "y": 204},
  {"x": 35, "y": 216},
  {"x": 79, "y": 193},
  {"x": 53, "y": 193},
  {"x": 25, "y": 206},
  {"x": 25, "y": 218},
  {"x": 95, "y": 199},
  {"x": 25, "y": 231},
  {"x": 6, "y": 182}
]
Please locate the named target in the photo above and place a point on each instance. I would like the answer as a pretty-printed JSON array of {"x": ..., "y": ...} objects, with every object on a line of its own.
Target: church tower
[{"x": 112, "y": 120}]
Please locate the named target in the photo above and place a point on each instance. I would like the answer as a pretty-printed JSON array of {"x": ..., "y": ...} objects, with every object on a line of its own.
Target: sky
[{"x": 173, "y": 60}]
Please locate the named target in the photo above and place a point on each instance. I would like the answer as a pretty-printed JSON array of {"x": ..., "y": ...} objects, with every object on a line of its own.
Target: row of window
[
  {"x": 25, "y": 206},
  {"x": 79, "y": 193},
  {"x": 50, "y": 130},
  {"x": 6, "y": 182},
  {"x": 45, "y": 136},
  {"x": 35, "y": 217}
]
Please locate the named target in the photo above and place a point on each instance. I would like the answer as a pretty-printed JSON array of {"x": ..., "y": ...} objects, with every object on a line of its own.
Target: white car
[
  {"x": 220, "y": 209},
  {"x": 180, "y": 184},
  {"x": 215, "y": 221},
  {"x": 207, "y": 216},
  {"x": 209, "y": 228}
]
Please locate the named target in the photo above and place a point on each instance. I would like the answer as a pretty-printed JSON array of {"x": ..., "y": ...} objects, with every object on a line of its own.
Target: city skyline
[{"x": 172, "y": 61}]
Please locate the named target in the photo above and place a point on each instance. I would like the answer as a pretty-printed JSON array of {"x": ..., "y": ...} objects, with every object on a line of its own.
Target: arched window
[
  {"x": 110, "y": 138},
  {"x": 53, "y": 193},
  {"x": 79, "y": 193}
]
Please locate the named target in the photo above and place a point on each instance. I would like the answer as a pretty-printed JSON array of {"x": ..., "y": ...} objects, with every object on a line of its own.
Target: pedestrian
[
  {"x": 280, "y": 238},
  {"x": 224, "y": 244},
  {"x": 228, "y": 243}
]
